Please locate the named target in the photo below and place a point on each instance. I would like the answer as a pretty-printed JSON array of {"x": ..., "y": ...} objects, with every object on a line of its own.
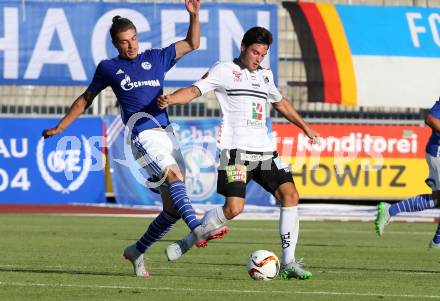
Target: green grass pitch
[{"x": 46, "y": 257}]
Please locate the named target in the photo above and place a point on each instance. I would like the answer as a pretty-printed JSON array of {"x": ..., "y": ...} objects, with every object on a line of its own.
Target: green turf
[{"x": 79, "y": 258}]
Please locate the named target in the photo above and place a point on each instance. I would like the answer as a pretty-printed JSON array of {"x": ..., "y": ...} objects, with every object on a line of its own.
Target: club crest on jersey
[
  {"x": 237, "y": 76},
  {"x": 146, "y": 65},
  {"x": 266, "y": 79}
]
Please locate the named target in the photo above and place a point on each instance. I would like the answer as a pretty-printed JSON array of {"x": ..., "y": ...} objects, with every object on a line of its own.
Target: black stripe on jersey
[
  {"x": 246, "y": 90},
  {"x": 247, "y": 94}
]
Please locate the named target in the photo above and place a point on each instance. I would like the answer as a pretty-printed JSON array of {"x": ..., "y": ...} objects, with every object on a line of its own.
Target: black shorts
[{"x": 238, "y": 167}]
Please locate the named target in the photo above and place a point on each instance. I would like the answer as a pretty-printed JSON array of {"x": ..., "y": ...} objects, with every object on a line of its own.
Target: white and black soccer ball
[{"x": 263, "y": 265}]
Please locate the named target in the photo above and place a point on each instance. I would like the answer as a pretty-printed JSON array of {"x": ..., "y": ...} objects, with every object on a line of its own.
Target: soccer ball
[{"x": 263, "y": 265}]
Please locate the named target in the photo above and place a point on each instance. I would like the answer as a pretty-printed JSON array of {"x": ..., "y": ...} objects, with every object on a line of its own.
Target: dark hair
[
  {"x": 119, "y": 25},
  {"x": 257, "y": 35}
]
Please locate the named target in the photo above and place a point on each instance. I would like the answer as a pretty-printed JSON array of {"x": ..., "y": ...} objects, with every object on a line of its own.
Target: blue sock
[
  {"x": 183, "y": 204},
  {"x": 417, "y": 203},
  {"x": 156, "y": 230},
  {"x": 436, "y": 238}
]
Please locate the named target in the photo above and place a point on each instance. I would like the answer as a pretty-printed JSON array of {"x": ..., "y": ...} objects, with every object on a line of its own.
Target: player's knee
[
  {"x": 290, "y": 199},
  {"x": 173, "y": 174}
]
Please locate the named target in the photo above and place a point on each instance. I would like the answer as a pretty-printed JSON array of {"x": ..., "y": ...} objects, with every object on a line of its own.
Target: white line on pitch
[{"x": 20, "y": 284}]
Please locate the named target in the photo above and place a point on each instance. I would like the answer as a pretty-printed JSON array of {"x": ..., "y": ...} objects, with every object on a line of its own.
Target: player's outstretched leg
[
  {"x": 435, "y": 242},
  {"x": 413, "y": 204},
  {"x": 181, "y": 202},
  {"x": 203, "y": 232},
  {"x": 289, "y": 230},
  {"x": 434, "y": 246},
  {"x": 213, "y": 227},
  {"x": 180, "y": 247},
  {"x": 207, "y": 232},
  {"x": 156, "y": 230},
  {"x": 137, "y": 260}
]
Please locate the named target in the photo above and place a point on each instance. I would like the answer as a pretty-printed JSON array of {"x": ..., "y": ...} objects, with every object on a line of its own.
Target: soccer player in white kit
[{"x": 243, "y": 88}]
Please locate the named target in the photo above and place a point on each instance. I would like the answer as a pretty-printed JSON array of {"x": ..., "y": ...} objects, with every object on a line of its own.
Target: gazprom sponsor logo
[{"x": 127, "y": 84}]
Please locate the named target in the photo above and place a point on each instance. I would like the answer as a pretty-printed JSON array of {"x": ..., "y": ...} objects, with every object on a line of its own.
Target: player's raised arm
[
  {"x": 192, "y": 40},
  {"x": 78, "y": 107},
  {"x": 179, "y": 97},
  {"x": 289, "y": 112},
  {"x": 433, "y": 122}
]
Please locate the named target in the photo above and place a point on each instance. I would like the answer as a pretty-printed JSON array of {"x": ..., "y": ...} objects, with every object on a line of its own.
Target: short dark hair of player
[
  {"x": 257, "y": 35},
  {"x": 119, "y": 25}
]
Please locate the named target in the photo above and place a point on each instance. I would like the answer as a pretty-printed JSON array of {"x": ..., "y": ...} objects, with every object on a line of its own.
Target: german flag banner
[{"x": 369, "y": 55}]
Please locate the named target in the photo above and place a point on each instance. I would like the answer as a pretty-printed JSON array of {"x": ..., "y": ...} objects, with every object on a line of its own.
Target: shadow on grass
[
  {"x": 322, "y": 268},
  {"x": 220, "y": 275},
  {"x": 366, "y": 269},
  {"x": 69, "y": 272}
]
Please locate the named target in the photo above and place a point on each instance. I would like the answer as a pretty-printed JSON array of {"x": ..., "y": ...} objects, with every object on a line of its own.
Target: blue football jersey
[
  {"x": 137, "y": 84},
  {"x": 433, "y": 145}
]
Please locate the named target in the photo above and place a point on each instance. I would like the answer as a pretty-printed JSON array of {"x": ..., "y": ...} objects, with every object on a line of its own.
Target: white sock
[
  {"x": 214, "y": 217},
  {"x": 289, "y": 228}
]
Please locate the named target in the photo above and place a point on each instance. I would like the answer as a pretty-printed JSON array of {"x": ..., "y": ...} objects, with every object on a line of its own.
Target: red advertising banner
[
  {"x": 360, "y": 140},
  {"x": 356, "y": 161}
]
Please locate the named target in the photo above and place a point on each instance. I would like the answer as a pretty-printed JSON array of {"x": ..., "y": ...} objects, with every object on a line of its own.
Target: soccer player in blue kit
[
  {"x": 137, "y": 81},
  {"x": 424, "y": 201}
]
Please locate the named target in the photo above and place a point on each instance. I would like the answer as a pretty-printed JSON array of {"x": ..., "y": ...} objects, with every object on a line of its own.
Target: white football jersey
[{"x": 243, "y": 96}]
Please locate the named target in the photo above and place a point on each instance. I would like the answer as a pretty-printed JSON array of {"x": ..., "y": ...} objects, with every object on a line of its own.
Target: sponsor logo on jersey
[
  {"x": 257, "y": 111},
  {"x": 255, "y": 157},
  {"x": 237, "y": 76},
  {"x": 146, "y": 65},
  {"x": 127, "y": 85},
  {"x": 256, "y": 120}
]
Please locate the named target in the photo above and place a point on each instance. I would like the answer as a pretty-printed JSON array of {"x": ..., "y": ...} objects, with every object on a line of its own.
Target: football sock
[
  {"x": 156, "y": 230},
  {"x": 189, "y": 240},
  {"x": 183, "y": 204},
  {"x": 215, "y": 217},
  {"x": 289, "y": 228},
  {"x": 413, "y": 204},
  {"x": 437, "y": 235}
]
